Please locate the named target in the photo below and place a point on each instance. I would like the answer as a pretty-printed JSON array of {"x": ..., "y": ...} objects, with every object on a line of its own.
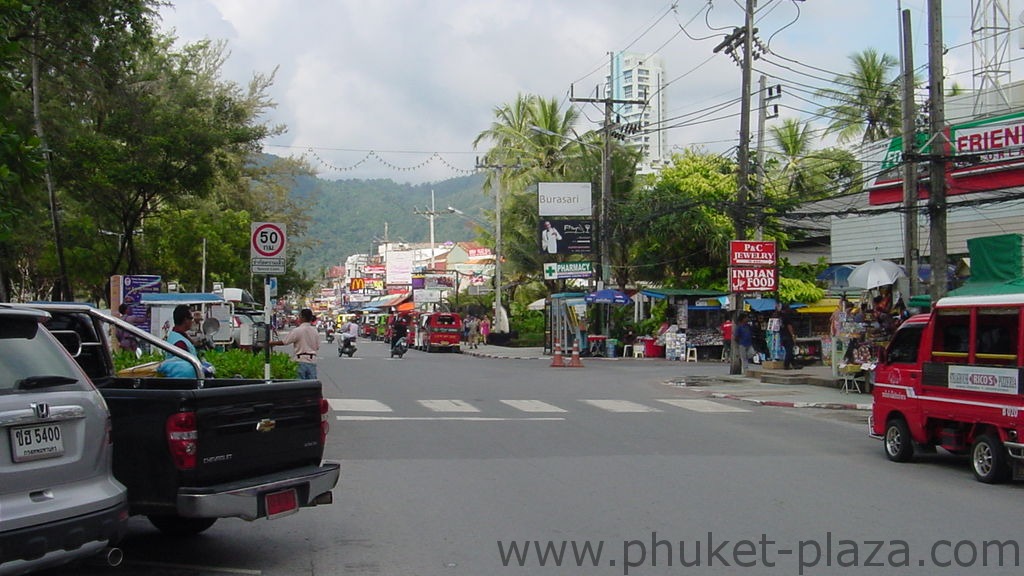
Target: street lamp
[
  {"x": 497, "y": 253},
  {"x": 605, "y": 205}
]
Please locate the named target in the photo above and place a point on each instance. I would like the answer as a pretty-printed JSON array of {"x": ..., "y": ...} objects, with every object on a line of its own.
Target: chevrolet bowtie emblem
[{"x": 266, "y": 425}]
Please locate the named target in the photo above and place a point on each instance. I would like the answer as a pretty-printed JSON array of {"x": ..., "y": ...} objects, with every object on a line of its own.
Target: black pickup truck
[{"x": 191, "y": 451}]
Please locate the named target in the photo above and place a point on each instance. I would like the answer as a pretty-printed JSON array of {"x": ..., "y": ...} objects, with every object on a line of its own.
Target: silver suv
[{"x": 59, "y": 501}]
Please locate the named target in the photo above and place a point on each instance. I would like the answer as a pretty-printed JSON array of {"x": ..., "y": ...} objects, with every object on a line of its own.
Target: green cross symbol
[{"x": 551, "y": 270}]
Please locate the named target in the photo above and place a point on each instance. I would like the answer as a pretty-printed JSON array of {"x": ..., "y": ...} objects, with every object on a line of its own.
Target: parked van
[
  {"x": 442, "y": 331},
  {"x": 952, "y": 379}
]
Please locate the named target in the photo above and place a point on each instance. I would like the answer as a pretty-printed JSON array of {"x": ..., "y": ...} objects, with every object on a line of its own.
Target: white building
[{"x": 635, "y": 76}]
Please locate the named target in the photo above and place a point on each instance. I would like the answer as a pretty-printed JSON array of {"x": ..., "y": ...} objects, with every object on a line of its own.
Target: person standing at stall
[
  {"x": 744, "y": 337},
  {"x": 788, "y": 337}
]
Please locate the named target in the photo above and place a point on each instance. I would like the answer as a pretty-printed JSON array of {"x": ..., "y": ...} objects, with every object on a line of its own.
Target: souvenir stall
[
  {"x": 814, "y": 335},
  {"x": 699, "y": 315},
  {"x": 865, "y": 327}
]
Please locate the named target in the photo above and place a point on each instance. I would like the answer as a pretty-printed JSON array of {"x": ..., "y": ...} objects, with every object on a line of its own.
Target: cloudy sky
[{"x": 415, "y": 81}]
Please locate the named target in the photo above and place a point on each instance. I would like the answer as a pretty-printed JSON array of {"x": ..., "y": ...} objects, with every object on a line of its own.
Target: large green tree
[
  {"x": 866, "y": 100},
  {"x": 685, "y": 221}
]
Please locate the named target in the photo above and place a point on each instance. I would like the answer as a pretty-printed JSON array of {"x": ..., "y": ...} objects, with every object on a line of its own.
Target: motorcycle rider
[
  {"x": 349, "y": 332},
  {"x": 399, "y": 330}
]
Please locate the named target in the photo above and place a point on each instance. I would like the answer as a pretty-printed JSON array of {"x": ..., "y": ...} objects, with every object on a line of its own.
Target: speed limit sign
[{"x": 267, "y": 248}]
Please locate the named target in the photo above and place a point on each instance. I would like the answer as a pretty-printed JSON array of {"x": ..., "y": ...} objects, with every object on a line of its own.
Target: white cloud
[{"x": 420, "y": 77}]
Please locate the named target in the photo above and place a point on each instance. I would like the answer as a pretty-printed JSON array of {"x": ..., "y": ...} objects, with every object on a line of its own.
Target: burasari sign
[{"x": 564, "y": 199}]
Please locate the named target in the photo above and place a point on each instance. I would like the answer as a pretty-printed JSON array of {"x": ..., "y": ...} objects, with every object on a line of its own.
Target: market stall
[{"x": 698, "y": 316}]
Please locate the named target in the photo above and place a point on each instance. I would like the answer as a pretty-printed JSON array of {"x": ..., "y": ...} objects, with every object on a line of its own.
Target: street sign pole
[
  {"x": 267, "y": 244},
  {"x": 266, "y": 322}
]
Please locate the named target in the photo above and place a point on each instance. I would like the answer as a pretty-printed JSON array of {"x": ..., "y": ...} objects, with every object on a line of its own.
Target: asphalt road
[{"x": 460, "y": 465}]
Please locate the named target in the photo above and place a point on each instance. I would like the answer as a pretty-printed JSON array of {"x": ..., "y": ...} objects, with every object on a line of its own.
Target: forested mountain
[{"x": 348, "y": 216}]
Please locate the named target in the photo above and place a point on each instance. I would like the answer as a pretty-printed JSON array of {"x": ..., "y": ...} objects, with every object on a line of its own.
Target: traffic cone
[
  {"x": 574, "y": 360},
  {"x": 558, "y": 361}
]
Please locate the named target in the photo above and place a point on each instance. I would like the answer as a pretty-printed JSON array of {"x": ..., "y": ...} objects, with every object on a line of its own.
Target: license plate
[
  {"x": 36, "y": 442},
  {"x": 281, "y": 503}
]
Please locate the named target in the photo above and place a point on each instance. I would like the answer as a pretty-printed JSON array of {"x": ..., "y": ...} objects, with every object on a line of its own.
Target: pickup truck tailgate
[{"x": 269, "y": 427}]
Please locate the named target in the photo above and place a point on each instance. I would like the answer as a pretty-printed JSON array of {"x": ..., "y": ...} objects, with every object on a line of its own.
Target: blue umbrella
[
  {"x": 607, "y": 296},
  {"x": 837, "y": 275}
]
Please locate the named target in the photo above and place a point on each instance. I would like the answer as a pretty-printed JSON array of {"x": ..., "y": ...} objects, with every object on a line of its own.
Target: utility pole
[
  {"x": 606, "y": 171},
  {"x": 910, "y": 229},
  {"x": 430, "y": 216},
  {"x": 741, "y": 37},
  {"x": 940, "y": 151},
  {"x": 764, "y": 94},
  {"x": 500, "y": 323}
]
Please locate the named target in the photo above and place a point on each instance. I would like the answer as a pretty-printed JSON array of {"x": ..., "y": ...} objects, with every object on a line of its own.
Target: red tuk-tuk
[{"x": 443, "y": 331}]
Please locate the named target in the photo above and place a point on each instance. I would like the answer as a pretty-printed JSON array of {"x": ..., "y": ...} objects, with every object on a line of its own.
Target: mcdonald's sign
[{"x": 357, "y": 284}]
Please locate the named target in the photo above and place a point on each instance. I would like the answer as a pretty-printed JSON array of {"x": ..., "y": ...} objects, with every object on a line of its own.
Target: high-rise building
[{"x": 635, "y": 76}]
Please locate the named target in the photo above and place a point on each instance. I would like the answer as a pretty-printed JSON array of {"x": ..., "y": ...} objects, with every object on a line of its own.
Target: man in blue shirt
[{"x": 744, "y": 337}]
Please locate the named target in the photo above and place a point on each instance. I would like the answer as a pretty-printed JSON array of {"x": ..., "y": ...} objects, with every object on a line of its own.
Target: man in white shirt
[{"x": 306, "y": 341}]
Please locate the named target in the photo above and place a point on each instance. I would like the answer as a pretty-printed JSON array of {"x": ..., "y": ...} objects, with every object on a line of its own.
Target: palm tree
[
  {"x": 867, "y": 99},
  {"x": 527, "y": 156},
  {"x": 792, "y": 141}
]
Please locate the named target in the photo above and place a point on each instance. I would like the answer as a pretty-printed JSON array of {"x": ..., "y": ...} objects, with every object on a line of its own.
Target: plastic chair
[
  {"x": 638, "y": 352},
  {"x": 852, "y": 378},
  {"x": 691, "y": 354},
  {"x": 627, "y": 350}
]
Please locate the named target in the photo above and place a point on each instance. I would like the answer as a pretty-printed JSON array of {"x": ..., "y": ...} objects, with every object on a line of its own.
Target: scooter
[
  {"x": 346, "y": 345},
  {"x": 400, "y": 348},
  {"x": 330, "y": 335}
]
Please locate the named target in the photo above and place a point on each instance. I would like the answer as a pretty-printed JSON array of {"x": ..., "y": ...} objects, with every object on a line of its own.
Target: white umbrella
[
  {"x": 875, "y": 273},
  {"x": 537, "y": 304}
]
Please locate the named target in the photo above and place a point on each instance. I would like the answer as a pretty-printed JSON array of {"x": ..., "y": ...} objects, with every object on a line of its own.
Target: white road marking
[
  {"x": 445, "y": 418},
  {"x": 533, "y": 406},
  {"x": 358, "y": 405},
  {"x": 702, "y": 405},
  {"x": 448, "y": 406},
  {"x": 620, "y": 406}
]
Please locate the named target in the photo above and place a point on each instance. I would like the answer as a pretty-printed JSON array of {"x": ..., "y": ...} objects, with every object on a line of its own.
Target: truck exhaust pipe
[{"x": 111, "y": 556}]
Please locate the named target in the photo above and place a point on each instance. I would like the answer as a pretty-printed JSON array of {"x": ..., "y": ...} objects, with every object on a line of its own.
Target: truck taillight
[
  {"x": 183, "y": 439},
  {"x": 325, "y": 426}
]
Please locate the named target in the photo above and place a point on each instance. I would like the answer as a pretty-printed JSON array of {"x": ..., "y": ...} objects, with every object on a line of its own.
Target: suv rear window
[{"x": 22, "y": 355}]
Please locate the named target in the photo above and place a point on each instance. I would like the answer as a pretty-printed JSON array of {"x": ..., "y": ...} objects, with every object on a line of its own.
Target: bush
[{"x": 227, "y": 364}]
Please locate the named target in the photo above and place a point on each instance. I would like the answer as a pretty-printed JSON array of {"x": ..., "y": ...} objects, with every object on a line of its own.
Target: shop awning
[
  {"x": 388, "y": 301},
  {"x": 175, "y": 298},
  {"x": 823, "y": 306},
  {"x": 662, "y": 293}
]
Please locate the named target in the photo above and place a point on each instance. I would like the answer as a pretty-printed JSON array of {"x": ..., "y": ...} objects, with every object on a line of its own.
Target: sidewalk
[{"x": 810, "y": 387}]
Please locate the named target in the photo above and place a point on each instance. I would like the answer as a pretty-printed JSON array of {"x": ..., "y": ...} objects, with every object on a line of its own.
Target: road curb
[{"x": 785, "y": 404}]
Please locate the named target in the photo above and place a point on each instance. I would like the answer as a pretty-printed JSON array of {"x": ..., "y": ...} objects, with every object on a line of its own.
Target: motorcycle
[
  {"x": 330, "y": 335},
  {"x": 346, "y": 345},
  {"x": 400, "y": 348}
]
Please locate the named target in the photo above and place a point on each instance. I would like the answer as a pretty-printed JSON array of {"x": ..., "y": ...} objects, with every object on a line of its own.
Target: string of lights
[{"x": 311, "y": 153}]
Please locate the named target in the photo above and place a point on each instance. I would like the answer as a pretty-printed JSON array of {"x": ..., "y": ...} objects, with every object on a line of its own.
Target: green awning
[
  {"x": 920, "y": 301},
  {"x": 973, "y": 288}
]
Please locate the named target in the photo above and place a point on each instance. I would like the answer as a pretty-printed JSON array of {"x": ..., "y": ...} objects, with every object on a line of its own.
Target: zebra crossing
[{"x": 366, "y": 409}]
